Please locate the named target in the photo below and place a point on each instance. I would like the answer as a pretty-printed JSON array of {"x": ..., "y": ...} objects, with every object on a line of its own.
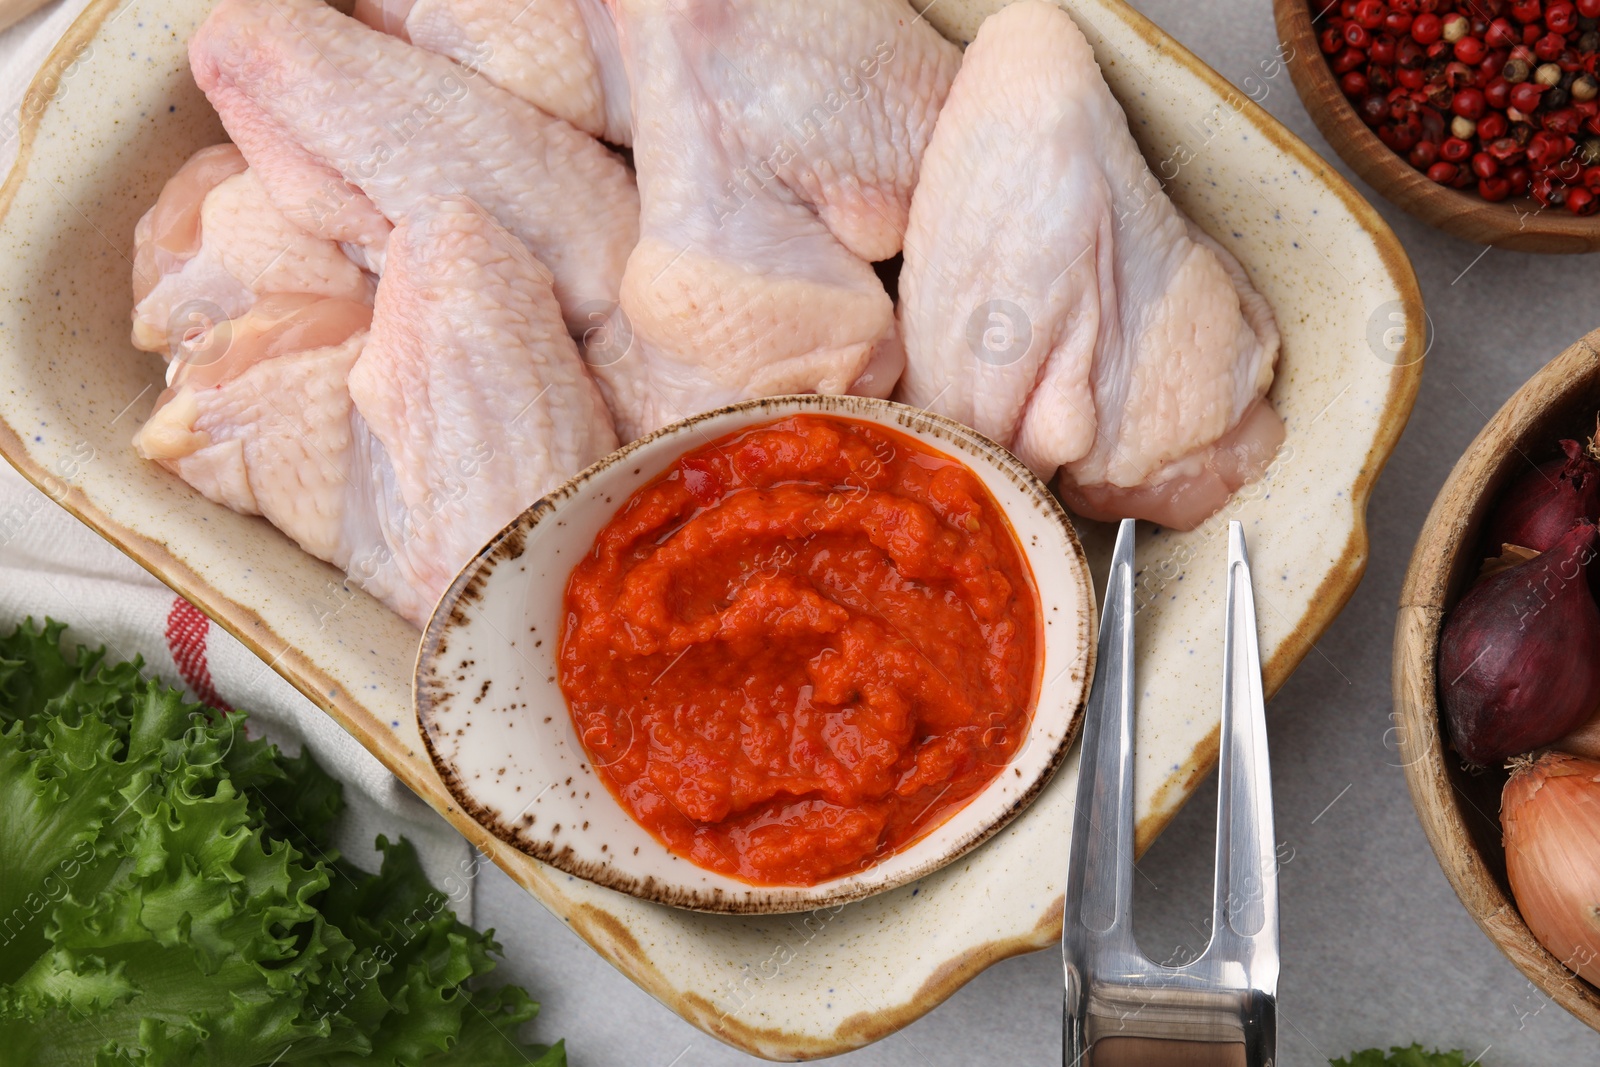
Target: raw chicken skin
[
  {"x": 394, "y": 452},
  {"x": 350, "y": 130},
  {"x": 472, "y": 388},
  {"x": 213, "y": 243},
  {"x": 1053, "y": 298},
  {"x": 777, "y": 145},
  {"x": 561, "y": 56}
]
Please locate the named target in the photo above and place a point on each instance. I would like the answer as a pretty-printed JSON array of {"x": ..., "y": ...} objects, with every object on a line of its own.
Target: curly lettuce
[
  {"x": 1410, "y": 1056},
  {"x": 172, "y": 895}
]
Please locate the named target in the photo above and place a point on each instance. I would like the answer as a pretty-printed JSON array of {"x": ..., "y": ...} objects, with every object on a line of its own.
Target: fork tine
[
  {"x": 1246, "y": 897},
  {"x": 1100, "y": 865}
]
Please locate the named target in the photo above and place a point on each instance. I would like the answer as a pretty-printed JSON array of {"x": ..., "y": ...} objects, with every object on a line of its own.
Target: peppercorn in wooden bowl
[
  {"x": 1459, "y": 808},
  {"x": 1518, "y": 222}
]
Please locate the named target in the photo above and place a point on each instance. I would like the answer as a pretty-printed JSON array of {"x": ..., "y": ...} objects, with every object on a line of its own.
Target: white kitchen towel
[{"x": 52, "y": 565}]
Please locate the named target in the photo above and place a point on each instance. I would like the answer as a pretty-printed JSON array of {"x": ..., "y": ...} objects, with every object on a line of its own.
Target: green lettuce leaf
[
  {"x": 172, "y": 895},
  {"x": 1412, "y": 1056}
]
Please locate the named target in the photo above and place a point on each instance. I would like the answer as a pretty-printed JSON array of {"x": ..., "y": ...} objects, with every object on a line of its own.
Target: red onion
[
  {"x": 1541, "y": 506},
  {"x": 1519, "y": 659}
]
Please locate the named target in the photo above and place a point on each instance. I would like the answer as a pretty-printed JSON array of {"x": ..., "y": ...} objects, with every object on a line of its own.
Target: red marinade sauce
[{"x": 802, "y": 647}]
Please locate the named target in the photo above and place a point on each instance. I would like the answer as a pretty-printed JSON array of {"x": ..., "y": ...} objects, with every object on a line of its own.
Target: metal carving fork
[{"x": 1120, "y": 1007}]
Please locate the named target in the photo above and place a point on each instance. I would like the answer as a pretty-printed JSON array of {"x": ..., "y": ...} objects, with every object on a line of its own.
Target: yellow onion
[{"x": 1550, "y": 815}]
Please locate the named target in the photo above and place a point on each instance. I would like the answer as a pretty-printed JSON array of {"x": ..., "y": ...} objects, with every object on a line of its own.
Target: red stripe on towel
[{"x": 187, "y": 628}]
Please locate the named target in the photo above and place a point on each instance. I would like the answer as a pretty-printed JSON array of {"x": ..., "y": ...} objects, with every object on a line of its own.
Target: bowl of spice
[
  {"x": 771, "y": 658},
  {"x": 1480, "y": 117},
  {"x": 1497, "y": 679}
]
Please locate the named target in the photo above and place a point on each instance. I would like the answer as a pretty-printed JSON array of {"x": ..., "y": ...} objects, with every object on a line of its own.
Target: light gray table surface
[{"x": 1376, "y": 949}]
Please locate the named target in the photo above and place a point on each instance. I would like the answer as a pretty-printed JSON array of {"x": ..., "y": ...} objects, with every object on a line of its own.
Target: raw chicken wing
[
  {"x": 212, "y": 243},
  {"x": 1053, "y": 298},
  {"x": 559, "y": 55},
  {"x": 392, "y": 441},
  {"x": 777, "y": 145},
  {"x": 350, "y": 129}
]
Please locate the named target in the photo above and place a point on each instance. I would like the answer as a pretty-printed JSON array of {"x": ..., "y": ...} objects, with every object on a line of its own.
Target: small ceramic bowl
[
  {"x": 497, "y": 725},
  {"x": 1519, "y": 224},
  {"x": 1458, "y": 809}
]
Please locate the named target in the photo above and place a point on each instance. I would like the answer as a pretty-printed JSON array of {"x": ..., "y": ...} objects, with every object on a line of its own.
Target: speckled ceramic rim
[
  {"x": 966, "y": 445},
  {"x": 604, "y": 931}
]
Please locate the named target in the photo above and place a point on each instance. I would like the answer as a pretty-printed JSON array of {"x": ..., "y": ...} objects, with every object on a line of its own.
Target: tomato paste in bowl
[
  {"x": 800, "y": 647},
  {"x": 778, "y": 656}
]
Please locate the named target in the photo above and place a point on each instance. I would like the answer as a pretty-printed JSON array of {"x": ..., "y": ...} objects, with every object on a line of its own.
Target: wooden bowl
[
  {"x": 1459, "y": 809},
  {"x": 1520, "y": 224}
]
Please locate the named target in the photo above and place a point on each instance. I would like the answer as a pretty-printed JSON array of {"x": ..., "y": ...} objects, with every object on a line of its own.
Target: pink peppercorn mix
[{"x": 1499, "y": 96}]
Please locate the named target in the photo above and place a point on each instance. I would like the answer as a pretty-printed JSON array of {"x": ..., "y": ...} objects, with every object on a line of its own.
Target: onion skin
[
  {"x": 1519, "y": 658},
  {"x": 1542, "y": 505},
  {"x": 1550, "y": 815}
]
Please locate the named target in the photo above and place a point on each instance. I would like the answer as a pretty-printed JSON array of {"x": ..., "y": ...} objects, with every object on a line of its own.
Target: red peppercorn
[
  {"x": 1518, "y": 177},
  {"x": 1411, "y": 79},
  {"x": 1484, "y": 165},
  {"x": 1347, "y": 8},
  {"x": 1546, "y": 48},
  {"x": 1501, "y": 34},
  {"x": 1524, "y": 96},
  {"x": 1432, "y": 125},
  {"x": 1497, "y": 94},
  {"x": 1354, "y": 83},
  {"x": 1562, "y": 120},
  {"x": 1370, "y": 13},
  {"x": 1492, "y": 127},
  {"x": 1525, "y": 10},
  {"x": 1561, "y": 17},
  {"x": 1468, "y": 103},
  {"x": 1494, "y": 190},
  {"x": 1591, "y": 178},
  {"x": 1424, "y": 154},
  {"x": 1331, "y": 41},
  {"x": 1471, "y": 50},
  {"x": 1548, "y": 149},
  {"x": 1581, "y": 201},
  {"x": 1505, "y": 149},
  {"x": 1455, "y": 150},
  {"x": 1356, "y": 35},
  {"x": 1382, "y": 51},
  {"x": 1349, "y": 59},
  {"x": 1400, "y": 21},
  {"x": 1426, "y": 29},
  {"x": 1589, "y": 9},
  {"x": 1442, "y": 173}
]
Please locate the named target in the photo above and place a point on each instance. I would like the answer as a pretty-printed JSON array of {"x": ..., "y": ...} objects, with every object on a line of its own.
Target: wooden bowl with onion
[
  {"x": 1519, "y": 224},
  {"x": 1458, "y": 807}
]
